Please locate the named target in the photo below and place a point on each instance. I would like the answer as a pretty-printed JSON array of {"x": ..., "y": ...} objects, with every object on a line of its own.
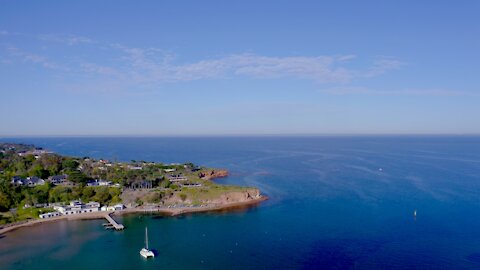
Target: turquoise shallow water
[{"x": 330, "y": 208}]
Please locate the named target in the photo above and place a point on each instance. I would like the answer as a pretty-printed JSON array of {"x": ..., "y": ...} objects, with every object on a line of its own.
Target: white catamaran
[{"x": 145, "y": 252}]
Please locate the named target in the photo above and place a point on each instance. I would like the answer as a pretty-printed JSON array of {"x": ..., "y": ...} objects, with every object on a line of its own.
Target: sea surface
[{"x": 335, "y": 203}]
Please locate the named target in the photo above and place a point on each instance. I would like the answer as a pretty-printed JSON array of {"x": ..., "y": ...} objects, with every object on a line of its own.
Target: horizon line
[{"x": 233, "y": 135}]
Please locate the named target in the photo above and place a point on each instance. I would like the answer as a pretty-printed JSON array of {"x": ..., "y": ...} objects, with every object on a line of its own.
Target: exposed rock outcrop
[
  {"x": 212, "y": 174},
  {"x": 226, "y": 198},
  {"x": 237, "y": 196}
]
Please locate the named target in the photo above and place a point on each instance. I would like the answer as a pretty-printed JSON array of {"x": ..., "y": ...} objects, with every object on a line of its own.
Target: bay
[{"x": 340, "y": 202}]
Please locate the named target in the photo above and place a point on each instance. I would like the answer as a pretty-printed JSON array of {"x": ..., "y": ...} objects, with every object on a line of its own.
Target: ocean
[{"x": 343, "y": 202}]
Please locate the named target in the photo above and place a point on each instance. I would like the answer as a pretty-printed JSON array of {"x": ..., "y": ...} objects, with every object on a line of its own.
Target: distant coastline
[{"x": 38, "y": 185}]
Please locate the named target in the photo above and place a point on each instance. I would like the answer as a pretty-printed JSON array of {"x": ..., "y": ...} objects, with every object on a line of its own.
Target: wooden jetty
[{"x": 112, "y": 223}]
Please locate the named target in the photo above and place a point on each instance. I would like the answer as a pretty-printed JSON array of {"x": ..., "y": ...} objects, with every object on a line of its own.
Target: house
[
  {"x": 17, "y": 180},
  {"x": 177, "y": 178},
  {"x": 92, "y": 205},
  {"x": 97, "y": 183},
  {"x": 169, "y": 170},
  {"x": 49, "y": 215},
  {"x": 191, "y": 185},
  {"x": 58, "y": 179},
  {"x": 131, "y": 167},
  {"x": 34, "y": 181},
  {"x": 30, "y": 181},
  {"x": 77, "y": 207},
  {"x": 116, "y": 207},
  {"x": 119, "y": 207}
]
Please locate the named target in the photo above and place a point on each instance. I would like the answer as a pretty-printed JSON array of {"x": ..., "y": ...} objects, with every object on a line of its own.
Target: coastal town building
[
  {"x": 116, "y": 207},
  {"x": 99, "y": 183},
  {"x": 29, "y": 181},
  {"x": 191, "y": 185},
  {"x": 177, "y": 178},
  {"x": 36, "y": 152},
  {"x": 77, "y": 207},
  {"x": 58, "y": 179},
  {"x": 131, "y": 167},
  {"x": 49, "y": 215}
]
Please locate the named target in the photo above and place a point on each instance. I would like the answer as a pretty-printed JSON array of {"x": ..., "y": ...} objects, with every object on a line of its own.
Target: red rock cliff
[{"x": 212, "y": 174}]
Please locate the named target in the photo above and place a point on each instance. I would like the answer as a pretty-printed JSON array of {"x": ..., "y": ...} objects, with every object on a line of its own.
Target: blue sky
[{"x": 251, "y": 67}]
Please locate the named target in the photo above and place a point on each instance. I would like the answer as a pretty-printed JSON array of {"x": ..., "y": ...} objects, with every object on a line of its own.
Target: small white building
[
  {"x": 49, "y": 215},
  {"x": 99, "y": 183},
  {"x": 119, "y": 207},
  {"x": 116, "y": 207},
  {"x": 92, "y": 205}
]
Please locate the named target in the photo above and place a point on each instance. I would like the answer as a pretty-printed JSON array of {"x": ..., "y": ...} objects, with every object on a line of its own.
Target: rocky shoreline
[{"x": 172, "y": 211}]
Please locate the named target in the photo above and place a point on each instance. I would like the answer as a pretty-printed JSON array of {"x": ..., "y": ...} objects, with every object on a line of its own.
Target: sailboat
[{"x": 145, "y": 252}]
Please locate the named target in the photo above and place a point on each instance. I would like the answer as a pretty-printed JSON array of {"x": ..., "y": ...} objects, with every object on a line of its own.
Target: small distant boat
[
  {"x": 415, "y": 213},
  {"x": 145, "y": 252},
  {"x": 380, "y": 169}
]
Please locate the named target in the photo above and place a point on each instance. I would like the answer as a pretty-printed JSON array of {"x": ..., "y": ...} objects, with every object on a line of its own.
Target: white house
[
  {"x": 49, "y": 215},
  {"x": 116, "y": 207},
  {"x": 77, "y": 207},
  {"x": 119, "y": 206},
  {"x": 97, "y": 183}
]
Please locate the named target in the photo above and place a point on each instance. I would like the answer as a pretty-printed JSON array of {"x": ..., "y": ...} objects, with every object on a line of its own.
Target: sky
[{"x": 154, "y": 68}]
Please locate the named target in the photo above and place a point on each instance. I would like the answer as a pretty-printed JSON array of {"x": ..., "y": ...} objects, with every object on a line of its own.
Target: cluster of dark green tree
[{"x": 43, "y": 166}]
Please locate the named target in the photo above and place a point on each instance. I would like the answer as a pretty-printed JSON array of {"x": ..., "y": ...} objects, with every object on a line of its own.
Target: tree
[
  {"x": 77, "y": 177},
  {"x": 5, "y": 201},
  {"x": 102, "y": 195},
  {"x": 70, "y": 164},
  {"x": 51, "y": 162},
  {"x": 39, "y": 171},
  {"x": 88, "y": 193}
]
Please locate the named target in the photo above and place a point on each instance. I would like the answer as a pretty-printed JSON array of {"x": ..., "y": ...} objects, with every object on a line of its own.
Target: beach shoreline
[{"x": 138, "y": 210}]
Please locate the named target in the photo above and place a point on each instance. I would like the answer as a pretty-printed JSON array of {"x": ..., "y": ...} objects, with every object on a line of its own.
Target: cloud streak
[
  {"x": 321, "y": 69},
  {"x": 34, "y": 59},
  {"x": 349, "y": 90},
  {"x": 152, "y": 67},
  {"x": 66, "y": 39}
]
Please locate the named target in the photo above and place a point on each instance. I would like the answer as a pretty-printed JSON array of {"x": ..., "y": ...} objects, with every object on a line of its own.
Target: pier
[{"x": 112, "y": 223}]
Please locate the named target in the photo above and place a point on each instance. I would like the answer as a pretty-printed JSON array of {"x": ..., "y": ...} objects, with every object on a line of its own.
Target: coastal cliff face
[
  {"x": 225, "y": 198},
  {"x": 237, "y": 196},
  {"x": 209, "y": 175}
]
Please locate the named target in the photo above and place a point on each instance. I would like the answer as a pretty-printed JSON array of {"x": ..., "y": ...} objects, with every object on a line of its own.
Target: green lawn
[{"x": 23, "y": 214}]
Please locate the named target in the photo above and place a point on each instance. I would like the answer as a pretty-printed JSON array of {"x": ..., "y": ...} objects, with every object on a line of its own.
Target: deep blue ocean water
[{"x": 330, "y": 207}]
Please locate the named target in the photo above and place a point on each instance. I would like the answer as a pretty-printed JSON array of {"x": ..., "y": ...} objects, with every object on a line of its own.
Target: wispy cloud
[
  {"x": 152, "y": 67},
  {"x": 321, "y": 69},
  {"x": 383, "y": 64},
  {"x": 348, "y": 90},
  {"x": 66, "y": 39},
  {"x": 34, "y": 58},
  {"x": 98, "y": 69}
]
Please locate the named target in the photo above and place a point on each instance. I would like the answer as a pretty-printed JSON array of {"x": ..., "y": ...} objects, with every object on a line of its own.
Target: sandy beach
[{"x": 138, "y": 210}]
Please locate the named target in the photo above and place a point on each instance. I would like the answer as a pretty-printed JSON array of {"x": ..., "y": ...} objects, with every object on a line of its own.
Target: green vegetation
[{"x": 22, "y": 214}]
